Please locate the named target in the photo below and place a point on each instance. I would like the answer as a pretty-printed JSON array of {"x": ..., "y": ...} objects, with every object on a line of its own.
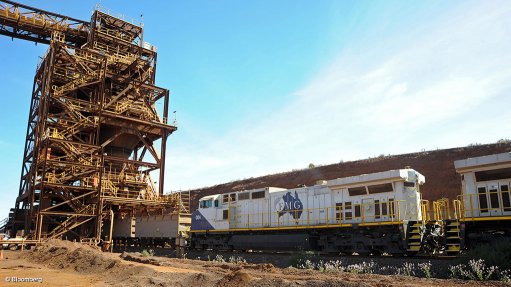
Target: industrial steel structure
[{"x": 95, "y": 134}]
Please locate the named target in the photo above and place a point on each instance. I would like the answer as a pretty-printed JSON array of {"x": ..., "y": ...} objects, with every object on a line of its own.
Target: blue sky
[{"x": 268, "y": 86}]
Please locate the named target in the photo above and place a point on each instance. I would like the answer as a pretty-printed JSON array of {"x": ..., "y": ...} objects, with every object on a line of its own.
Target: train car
[
  {"x": 370, "y": 213},
  {"x": 483, "y": 209},
  {"x": 161, "y": 230}
]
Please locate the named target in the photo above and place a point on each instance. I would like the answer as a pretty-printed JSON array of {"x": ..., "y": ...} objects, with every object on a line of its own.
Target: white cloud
[{"x": 442, "y": 87}]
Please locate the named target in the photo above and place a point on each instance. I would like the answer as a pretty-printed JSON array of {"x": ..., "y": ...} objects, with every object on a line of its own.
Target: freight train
[{"x": 367, "y": 214}]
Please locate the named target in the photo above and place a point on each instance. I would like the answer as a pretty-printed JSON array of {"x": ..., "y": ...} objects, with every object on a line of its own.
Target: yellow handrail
[
  {"x": 321, "y": 216},
  {"x": 470, "y": 205},
  {"x": 457, "y": 209},
  {"x": 425, "y": 209},
  {"x": 441, "y": 209}
]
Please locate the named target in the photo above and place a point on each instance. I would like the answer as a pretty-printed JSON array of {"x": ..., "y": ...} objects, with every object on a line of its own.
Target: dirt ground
[{"x": 60, "y": 263}]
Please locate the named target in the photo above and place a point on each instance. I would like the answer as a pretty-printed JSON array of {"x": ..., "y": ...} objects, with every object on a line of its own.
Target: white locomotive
[
  {"x": 482, "y": 213},
  {"x": 486, "y": 184},
  {"x": 370, "y": 213}
]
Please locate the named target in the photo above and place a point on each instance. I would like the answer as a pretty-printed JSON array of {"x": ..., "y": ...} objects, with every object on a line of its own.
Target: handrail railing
[
  {"x": 37, "y": 25},
  {"x": 494, "y": 203},
  {"x": 457, "y": 209},
  {"x": 441, "y": 209},
  {"x": 425, "y": 209},
  {"x": 333, "y": 215}
]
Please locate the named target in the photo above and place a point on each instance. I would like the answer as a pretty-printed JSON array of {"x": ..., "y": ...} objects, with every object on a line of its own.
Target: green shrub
[
  {"x": 301, "y": 257},
  {"x": 361, "y": 268},
  {"x": 147, "y": 253},
  {"x": 425, "y": 267},
  {"x": 478, "y": 270},
  {"x": 237, "y": 260}
]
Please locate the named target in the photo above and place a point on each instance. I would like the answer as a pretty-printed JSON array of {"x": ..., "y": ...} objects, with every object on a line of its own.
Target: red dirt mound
[
  {"x": 70, "y": 255},
  {"x": 437, "y": 165}
]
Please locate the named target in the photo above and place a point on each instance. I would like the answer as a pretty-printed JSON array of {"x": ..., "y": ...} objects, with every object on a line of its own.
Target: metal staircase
[
  {"x": 83, "y": 215},
  {"x": 452, "y": 236},
  {"x": 414, "y": 237},
  {"x": 184, "y": 201}
]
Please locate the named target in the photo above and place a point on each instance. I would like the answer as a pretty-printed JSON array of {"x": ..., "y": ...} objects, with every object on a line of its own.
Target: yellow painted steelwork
[
  {"x": 486, "y": 218},
  {"x": 441, "y": 209},
  {"x": 298, "y": 227},
  {"x": 257, "y": 222},
  {"x": 474, "y": 212}
]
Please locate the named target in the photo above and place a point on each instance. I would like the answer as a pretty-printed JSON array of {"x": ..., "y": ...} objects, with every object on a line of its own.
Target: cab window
[{"x": 206, "y": 203}]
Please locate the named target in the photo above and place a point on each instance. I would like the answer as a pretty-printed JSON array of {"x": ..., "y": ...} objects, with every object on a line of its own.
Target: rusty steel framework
[
  {"x": 28, "y": 23},
  {"x": 93, "y": 126}
]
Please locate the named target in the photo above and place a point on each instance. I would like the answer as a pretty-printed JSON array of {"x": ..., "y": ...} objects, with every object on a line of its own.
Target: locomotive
[
  {"x": 483, "y": 209},
  {"x": 370, "y": 213}
]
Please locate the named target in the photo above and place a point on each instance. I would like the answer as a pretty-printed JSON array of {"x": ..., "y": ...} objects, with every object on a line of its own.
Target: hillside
[{"x": 437, "y": 166}]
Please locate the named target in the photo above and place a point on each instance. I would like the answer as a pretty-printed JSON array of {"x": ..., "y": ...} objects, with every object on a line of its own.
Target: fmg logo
[{"x": 289, "y": 204}]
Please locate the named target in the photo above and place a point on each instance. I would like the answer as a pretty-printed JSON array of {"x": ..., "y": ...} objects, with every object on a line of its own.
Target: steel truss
[{"x": 25, "y": 22}]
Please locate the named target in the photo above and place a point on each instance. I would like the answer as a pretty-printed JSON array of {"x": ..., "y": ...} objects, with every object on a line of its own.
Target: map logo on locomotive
[{"x": 289, "y": 204}]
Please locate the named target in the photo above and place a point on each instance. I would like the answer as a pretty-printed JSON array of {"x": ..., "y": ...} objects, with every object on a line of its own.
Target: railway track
[
  {"x": 284, "y": 259},
  {"x": 325, "y": 255}
]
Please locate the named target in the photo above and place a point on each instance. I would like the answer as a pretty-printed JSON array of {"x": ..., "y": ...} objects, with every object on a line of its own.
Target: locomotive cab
[{"x": 206, "y": 216}]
